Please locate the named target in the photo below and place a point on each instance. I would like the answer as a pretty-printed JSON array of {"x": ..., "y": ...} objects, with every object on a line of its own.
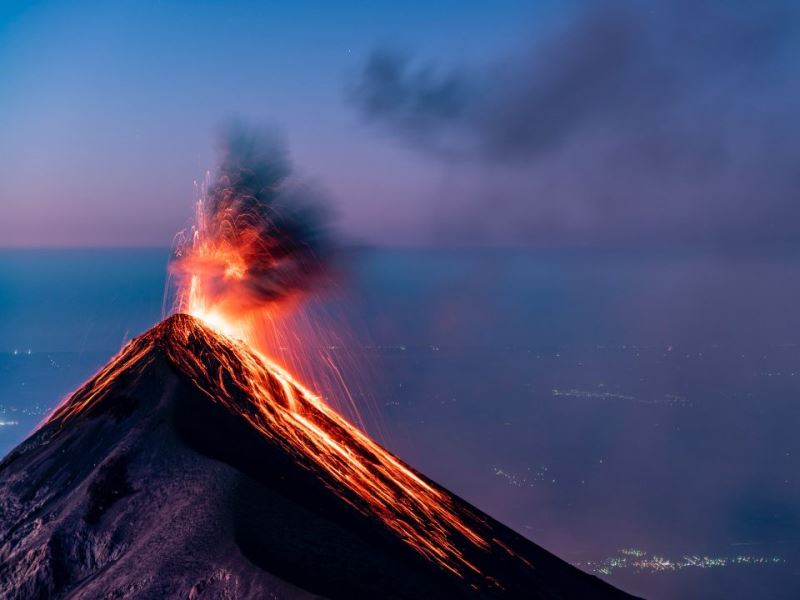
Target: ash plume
[
  {"x": 628, "y": 122},
  {"x": 262, "y": 236}
]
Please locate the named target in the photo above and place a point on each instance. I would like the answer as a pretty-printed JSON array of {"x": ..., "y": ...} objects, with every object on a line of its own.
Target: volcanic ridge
[{"x": 191, "y": 466}]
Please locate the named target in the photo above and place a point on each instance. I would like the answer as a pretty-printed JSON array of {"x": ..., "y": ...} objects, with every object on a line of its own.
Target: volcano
[{"x": 193, "y": 467}]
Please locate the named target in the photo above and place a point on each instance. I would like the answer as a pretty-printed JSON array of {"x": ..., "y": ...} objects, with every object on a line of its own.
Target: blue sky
[
  {"x": 574, "y": 123},
  {"x": 109, "y": 108}
]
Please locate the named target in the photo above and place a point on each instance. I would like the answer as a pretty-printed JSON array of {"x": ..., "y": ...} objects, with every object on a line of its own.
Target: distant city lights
[{"x": 643, "y": 562}]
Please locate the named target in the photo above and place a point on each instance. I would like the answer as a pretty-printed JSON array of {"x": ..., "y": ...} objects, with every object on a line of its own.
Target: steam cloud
[
  {"x": 674, "y": 118},
  {"x": 263, "y": 236}
]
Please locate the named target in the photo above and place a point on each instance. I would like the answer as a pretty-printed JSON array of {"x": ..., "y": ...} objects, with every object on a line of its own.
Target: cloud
[{"x": 671, "y": 120}]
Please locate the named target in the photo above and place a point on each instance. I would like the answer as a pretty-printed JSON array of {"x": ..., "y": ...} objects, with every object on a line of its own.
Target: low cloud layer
[{"x": 633, "y": 122}]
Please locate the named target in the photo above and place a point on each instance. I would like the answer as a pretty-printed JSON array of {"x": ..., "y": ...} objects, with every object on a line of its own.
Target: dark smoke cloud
[
  {"x": 420, "y": 106},
  {"x": 672, "y": 118},
  {"x": 266, "y": 235}
]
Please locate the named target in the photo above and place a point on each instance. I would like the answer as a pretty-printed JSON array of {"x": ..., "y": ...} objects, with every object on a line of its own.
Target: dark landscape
[
  {"x": 578, "y": 420},
  {"x": 410, "y": 300},
  {"x": 145, "y": 485}
]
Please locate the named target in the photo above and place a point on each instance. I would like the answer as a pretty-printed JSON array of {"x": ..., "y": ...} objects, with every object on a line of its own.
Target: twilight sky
[{"x": 536, "y": 123}]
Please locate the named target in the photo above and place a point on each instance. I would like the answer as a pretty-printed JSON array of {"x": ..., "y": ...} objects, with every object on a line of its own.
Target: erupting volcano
[{"x": 195, "y": 466}]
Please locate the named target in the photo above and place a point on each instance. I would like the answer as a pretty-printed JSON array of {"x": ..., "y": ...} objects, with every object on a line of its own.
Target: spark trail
[{"x": 249, "y": 257}]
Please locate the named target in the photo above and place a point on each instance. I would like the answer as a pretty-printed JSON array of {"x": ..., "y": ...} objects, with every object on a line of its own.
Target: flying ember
[
  {"x": 259, "y": 240},
  {"x": 257, "y": 246}
]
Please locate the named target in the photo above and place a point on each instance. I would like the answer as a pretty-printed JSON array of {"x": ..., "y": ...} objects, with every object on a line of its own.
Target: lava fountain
[
  {"x": 258, "y": 243},
  {"x": 249, "y": 257}
]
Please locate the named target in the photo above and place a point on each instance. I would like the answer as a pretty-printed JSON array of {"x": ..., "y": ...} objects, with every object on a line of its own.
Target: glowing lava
[
  {"x": 244, "y": 263},
  {"x": 361, "y": 472},
  {"x": 287, "y": 411}
]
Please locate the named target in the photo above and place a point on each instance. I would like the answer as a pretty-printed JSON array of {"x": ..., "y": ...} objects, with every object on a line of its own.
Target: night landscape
[{"x": 434, "y": 300}]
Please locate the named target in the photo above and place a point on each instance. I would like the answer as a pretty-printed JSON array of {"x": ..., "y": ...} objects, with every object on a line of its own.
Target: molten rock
[{"x": 192, "y": 467}]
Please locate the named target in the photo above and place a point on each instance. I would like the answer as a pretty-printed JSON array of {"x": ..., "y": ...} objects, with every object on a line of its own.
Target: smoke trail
[
  {"x": 629, "y": 123},
  {"x": 260, "y": 236}
]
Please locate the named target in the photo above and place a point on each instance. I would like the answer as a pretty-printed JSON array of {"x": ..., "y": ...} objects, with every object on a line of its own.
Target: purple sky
[{"x": 554, "y": 123}]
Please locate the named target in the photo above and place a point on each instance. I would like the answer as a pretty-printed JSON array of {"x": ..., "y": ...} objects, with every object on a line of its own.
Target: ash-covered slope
[{"x": 190, "y": 467}]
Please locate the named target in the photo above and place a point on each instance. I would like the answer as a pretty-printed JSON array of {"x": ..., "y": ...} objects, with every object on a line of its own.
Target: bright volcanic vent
[
  {"x": 260, "y": 243},
  {"x": 260, "y": 240}
]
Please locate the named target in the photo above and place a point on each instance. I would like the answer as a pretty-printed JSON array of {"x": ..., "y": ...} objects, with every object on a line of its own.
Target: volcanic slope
[{"x": 192, "y": 467}]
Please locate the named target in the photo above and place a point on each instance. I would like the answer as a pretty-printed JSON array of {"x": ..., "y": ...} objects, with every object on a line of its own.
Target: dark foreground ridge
[{"x": 164, "y": 476}]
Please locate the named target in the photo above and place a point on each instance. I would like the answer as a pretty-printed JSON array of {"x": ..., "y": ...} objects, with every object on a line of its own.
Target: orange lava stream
[
  {"x": 214, "y": 346},
  {"x": 293, "y": 416},
  {"x": 286, "y": 411},
  {"x": 360, "y": 471}
]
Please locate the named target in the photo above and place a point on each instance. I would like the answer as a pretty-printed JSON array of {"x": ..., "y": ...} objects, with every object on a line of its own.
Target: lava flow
[
  {"x": 284, "y": 411},
  {"x": 242, "y": 264}
]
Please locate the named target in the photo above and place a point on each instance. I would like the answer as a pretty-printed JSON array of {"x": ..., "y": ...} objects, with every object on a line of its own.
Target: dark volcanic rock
[
  {"x": 156, "y": 491},
  {"x": 110, "y": 485}
]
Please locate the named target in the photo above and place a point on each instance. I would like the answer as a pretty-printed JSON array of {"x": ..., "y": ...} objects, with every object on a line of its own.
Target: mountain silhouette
[{"x": 193, "y": 467}]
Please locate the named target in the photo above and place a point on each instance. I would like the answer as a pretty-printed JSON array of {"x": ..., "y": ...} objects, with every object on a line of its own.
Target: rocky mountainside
[{"x": 191, "y": 467}]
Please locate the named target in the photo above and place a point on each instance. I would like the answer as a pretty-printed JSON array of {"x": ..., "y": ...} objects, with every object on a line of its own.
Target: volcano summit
[{"x": 193, "y": 467}]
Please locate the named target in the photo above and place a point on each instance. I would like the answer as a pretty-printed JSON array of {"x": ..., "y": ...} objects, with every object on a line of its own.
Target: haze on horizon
[{"x": 667, "y": 123}]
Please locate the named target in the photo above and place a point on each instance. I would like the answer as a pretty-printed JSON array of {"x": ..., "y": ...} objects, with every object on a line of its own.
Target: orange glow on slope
[
  {"x": 213, "y": 273},
  {"x": 360, "y": 471},
  {"x": 226, "y": 358},
  {"x": 211, "y": 267}
]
